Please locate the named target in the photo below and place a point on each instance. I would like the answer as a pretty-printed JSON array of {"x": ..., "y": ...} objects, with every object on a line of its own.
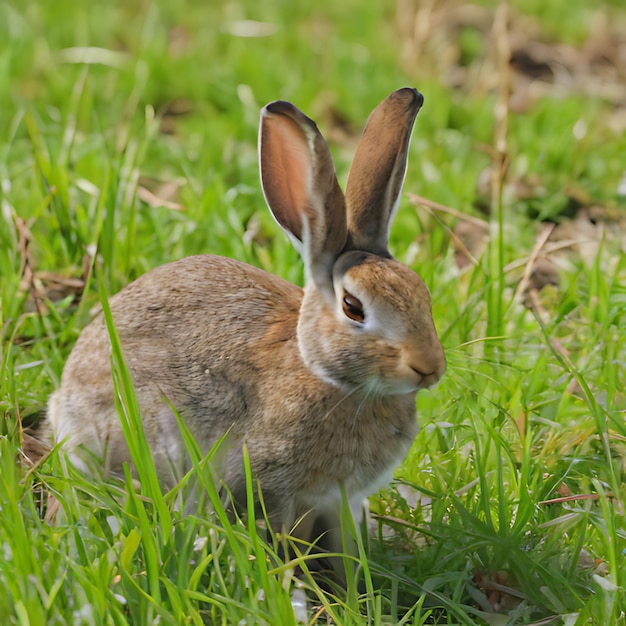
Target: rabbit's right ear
[
  {"x": 301, "y": 189},
  {"x": 378, "y": 169}
]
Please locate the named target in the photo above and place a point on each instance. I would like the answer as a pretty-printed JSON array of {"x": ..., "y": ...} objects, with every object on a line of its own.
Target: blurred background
[{"x": 98, "y": 79}]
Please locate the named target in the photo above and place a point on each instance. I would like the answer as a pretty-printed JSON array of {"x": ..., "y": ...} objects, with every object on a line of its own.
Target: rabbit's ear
[
  {"x": 300, "y": 186},
  {"x": 378, "y": 169}
]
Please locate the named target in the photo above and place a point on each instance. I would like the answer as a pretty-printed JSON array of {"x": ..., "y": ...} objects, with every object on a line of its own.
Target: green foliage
[{"x": 513, "y": 495}]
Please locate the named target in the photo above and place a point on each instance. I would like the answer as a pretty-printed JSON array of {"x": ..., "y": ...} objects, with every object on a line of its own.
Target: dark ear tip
[
  {"x": 412, "y": 96},
  {"x": 289, "y": 111},
  {"x": 279, "y": 107}
]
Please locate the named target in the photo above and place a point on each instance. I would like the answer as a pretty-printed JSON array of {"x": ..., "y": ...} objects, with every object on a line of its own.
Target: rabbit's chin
[{"x": 395, "y": 386}]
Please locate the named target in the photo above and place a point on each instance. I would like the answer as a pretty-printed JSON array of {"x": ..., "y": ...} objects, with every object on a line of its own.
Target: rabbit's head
[{"x": 365, "y": 322}]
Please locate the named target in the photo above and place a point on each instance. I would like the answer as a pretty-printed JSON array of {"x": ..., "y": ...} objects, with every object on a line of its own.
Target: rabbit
[{"x": 318, "y": 382}]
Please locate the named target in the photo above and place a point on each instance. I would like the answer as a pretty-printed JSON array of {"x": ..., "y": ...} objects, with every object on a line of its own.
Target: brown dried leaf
[{"x": 156, "y": 201}]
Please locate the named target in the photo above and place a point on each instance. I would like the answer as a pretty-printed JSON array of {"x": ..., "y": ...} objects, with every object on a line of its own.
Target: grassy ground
[{"x": 128, "y": 139}]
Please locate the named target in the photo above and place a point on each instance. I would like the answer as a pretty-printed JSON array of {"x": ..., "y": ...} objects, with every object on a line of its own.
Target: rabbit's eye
[{"x": 352, "y": 307}]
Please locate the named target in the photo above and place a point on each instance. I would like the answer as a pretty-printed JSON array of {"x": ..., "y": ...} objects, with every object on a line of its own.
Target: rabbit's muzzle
[
  {"x": 425, "y": 379},
  {"x": 421, "y": 368}
]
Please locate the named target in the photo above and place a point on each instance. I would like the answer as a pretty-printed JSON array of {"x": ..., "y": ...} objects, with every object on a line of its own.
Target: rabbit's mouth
[
  {"x": 426, "y": 379},
  {"x": 411, "y": 376},
  {"x": 404, "y": 380},
  {"x": 407, "y": 382}
]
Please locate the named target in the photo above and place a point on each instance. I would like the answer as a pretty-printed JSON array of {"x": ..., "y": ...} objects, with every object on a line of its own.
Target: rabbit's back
[{"x": 188, "y": 330}]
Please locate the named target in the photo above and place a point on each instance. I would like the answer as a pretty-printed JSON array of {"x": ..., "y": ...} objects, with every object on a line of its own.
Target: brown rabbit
[{"x": 320, "y": 382}]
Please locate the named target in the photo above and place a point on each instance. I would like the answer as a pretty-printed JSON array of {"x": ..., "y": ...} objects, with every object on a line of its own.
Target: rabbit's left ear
[
  {"x": 378, "y": 170},
  {"x": 300, "y": 186}
]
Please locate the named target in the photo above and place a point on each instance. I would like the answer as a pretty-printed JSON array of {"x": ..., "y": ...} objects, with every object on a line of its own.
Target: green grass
[{"x": 517, "y": 476}]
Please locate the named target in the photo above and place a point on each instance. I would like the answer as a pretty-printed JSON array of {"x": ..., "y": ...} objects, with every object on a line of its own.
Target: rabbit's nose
[{"x": 430, "y": 370}]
